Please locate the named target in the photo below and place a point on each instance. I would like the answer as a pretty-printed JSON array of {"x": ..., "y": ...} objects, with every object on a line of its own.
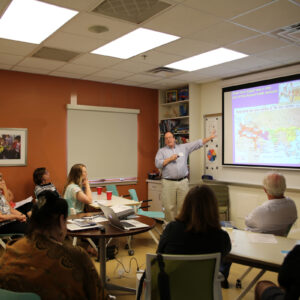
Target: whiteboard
[
  {"x": 104, "y": 139},
  {"x": 243, "y": 175}
]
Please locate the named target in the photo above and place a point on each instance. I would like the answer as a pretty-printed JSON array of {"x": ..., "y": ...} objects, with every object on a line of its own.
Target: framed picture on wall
[{"x": 13, "y": 147}]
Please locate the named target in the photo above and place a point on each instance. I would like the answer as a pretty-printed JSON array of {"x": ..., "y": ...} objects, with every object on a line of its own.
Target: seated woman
[
  {"x": 41, "y": 178},
  {"x": 42, "y": 263},
  {"x": 11, "y": 220},
  {"x": 196, "y": 230},
  {"x": 77, "y": 191}
]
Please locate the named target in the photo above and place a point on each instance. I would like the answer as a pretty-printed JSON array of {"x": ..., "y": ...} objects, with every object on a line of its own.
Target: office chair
[
  {"x": 150, "y": 214},
  {"x": 222, "y": 194},
  {"x": 8, "y": 236},
  {"x": 11, "y": 295},
  {"x": 281, "y": 232},
  {"x": 184, "y": 277}
]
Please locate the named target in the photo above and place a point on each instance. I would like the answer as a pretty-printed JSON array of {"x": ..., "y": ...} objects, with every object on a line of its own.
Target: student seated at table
[
  {"x": 41, "y": 178},
  {"x": 43, "y": 263},
  {"x": 274, "y": 216},
  {"x": 77, "y": 191},
  {"x": 288, "y": 279},
  {"x": 196, "y": 230},
  {"x": 11, "y": 220}
]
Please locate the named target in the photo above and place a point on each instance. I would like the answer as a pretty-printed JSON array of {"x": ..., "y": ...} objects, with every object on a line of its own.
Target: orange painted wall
[{"x": 38, "y": 103}]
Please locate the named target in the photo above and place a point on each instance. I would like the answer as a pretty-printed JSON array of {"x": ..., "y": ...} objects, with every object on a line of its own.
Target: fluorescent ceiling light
[
  {"x": 207, "y": 59},
  {"x": 135, "y": 42},
  {"x": 32, "y": 21}
]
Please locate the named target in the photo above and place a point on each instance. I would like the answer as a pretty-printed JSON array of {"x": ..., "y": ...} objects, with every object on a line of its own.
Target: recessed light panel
[
  {"x": 207, "y": 59},
  {"x": 32, "y": 21},
  {"x": 135, "y": 42}
]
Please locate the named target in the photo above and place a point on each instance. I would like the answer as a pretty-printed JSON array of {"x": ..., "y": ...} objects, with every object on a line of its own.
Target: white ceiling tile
[
  {"x": 95, "y": 60},
  {"x": 30, "y": 70},
  {"x": 284, "y": 54},
  {"x": 223, "y": 33},
  {"x": 225, "y": 9},
  {"x": 73, "y": 42},
  {"x": 191, "y": 76},
  {"x": 141, "y": 78},
  {"x": 258, "y": 44},
  {"x": 64, "y": 74},
  {"x": 16, "y": 48},
  {"x": 78, "y": 5},
  {"x": 126, "y": 82},
  {"x": 10, "y": 59},
  {"x": 181, "y": 21},
  {"x": 132, "y": 66},
  {"x": 39, "y": 63},
  {"x": 98, "y": 78},
  {"x": 78, "y": 69},
  {"x": 109, "y": 73},
  {"x": 156, "y": 58},
  {"x": 81, "y": 23},
  {"x": 276, "y": 15},
  {"x": 186, "y": 47},
  {"x": 5, "y": 67}
]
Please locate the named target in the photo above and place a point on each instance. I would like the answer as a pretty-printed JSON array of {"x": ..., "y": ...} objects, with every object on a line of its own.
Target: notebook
[{"x": 121, "y": 224}]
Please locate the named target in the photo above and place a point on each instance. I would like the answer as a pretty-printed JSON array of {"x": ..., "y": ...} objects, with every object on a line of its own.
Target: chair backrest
[
  {"x": 133, "y": 195},
  {"x": 190, "y": 276},
  {"x": 222, "y": 193},
  {"x": 112, "y": 188},
  {"x": 11, "y": 295}
]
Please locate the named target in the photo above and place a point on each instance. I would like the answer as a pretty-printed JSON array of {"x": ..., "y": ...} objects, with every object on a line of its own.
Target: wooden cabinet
[{"x": 154, "y": 194}]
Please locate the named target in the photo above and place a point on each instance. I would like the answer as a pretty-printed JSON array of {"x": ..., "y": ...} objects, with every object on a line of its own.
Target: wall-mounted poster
[{"x": 13, "y": 146}]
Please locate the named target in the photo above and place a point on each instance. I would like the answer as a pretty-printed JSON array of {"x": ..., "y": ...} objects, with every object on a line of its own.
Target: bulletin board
[{"x": 213, "y": 149}]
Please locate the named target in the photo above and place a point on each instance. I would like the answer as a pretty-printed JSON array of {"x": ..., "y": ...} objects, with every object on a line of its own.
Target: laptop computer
[{"x": 121, "y": 224}]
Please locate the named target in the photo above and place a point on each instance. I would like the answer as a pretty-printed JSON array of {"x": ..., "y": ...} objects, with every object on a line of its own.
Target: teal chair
[
  {"x": 11, "y": 295},
  {"x": 159, "y": 215},
  {"x": 189, "y": 276},
  {"x": 112, "y": 188}
]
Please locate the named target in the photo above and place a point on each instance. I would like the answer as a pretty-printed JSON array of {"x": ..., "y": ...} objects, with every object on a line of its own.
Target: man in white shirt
[
  {"x": 275, "y": 216},
  {"x": 278, "y": 213}
]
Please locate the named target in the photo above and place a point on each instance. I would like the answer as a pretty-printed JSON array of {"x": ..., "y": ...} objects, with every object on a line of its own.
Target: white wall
[{"x": 242, "y": 199}]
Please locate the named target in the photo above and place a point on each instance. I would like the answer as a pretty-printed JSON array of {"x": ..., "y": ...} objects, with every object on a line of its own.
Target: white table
[
  {"x": 115, "y": 200},
  {"x": 265, "y": 256}
]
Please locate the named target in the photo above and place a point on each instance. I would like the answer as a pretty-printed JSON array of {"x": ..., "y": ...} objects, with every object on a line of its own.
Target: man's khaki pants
[{"x": 172, "y": 196}]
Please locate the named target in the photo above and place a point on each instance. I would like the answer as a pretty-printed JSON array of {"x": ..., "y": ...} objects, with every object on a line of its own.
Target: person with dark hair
[
  {"x": 288, "y": 279},
  {"x": 11, "y": 220},
  {"x": 197, "y": 229},
  {"x": 172, "y": 161},
  {"x": 41, "y": 178},
  {"x": 42, "y": 263},
  {"x": 77, "y": 191}
]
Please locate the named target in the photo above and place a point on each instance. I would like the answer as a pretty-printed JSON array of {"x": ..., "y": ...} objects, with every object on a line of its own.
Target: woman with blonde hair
[{"x": 77, "y": 191}]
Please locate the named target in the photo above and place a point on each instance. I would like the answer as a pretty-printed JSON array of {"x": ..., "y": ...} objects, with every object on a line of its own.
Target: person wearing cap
[{"x": 172, "y": 161}]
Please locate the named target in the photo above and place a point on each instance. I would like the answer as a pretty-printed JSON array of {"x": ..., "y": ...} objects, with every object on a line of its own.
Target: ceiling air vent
[
  {"x": 135, "y": 11},
  {"x": 290, "y": 33},
  {"x": 55, "y": 54},
  {"x": 166, "y": 72}
]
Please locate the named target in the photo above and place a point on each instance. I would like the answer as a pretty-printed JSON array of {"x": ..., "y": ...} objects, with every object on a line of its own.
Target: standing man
[{"x": 172, "y": 160}]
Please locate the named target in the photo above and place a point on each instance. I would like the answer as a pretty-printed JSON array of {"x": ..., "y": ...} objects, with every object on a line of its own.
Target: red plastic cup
[
  {"x": 108, "y": 195},
  {"x": 99, "y": 190}
]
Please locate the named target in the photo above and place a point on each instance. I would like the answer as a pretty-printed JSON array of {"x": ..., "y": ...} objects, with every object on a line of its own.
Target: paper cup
[
  {"x": 99, "y": 190},
  {"x": 108, "y": 195}
]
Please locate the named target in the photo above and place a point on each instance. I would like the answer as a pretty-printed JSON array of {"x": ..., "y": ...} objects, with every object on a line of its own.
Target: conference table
[
  {"x": 258, "y": 250},
  {"x": 110, "y": 232}
]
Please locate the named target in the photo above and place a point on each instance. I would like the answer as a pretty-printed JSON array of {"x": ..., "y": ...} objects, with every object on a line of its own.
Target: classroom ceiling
[{"x": 267, "y": 30}]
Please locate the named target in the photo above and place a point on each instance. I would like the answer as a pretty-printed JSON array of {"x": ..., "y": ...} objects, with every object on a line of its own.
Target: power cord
[{"x": 123, "y": 270}]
